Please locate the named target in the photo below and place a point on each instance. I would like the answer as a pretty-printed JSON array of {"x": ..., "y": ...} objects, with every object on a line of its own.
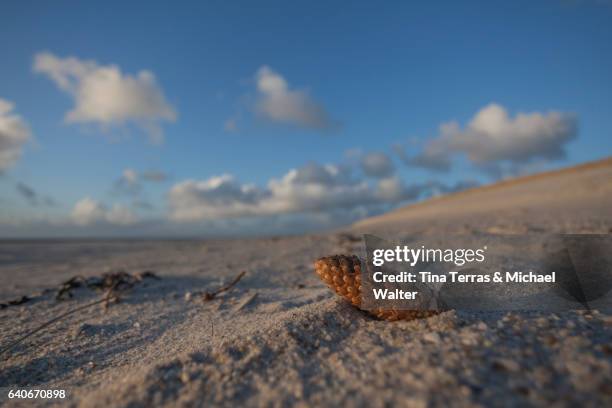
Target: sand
[{"x": 280, "y": 337}]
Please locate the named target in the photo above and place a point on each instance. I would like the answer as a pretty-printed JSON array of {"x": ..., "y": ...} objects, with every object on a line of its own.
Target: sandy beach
[{"x": 280, "y": 337}]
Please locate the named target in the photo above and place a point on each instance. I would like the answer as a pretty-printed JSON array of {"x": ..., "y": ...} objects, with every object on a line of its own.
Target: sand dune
[
  {"x": 570, "y": 200},
  {"x": 280, "y": 337}
]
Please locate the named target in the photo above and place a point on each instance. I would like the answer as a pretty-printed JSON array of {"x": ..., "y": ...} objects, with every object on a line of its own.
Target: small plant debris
[
  {"x": 111, "y": 283},
  {"x": 117, "y": 281},
  {"x": 15, "y": 302},
  {"x": 211, "y": 295},
  {"x": 208, "y": 296}
]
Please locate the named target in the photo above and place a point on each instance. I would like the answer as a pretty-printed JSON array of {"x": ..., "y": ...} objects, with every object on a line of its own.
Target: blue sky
[{"x": 349, "y": 95}]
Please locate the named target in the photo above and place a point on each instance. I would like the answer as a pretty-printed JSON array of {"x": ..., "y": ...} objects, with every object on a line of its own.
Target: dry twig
[{"x": 208, "y": 296}]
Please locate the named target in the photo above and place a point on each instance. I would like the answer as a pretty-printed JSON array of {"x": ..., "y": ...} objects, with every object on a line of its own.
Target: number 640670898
[{"x": 33, "y": 394}]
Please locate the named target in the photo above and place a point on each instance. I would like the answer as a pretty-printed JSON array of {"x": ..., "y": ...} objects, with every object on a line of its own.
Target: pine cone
[{"x": 342, "y": 273}]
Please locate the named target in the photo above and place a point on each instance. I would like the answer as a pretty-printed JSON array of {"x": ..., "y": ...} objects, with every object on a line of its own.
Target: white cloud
[
  {"x": 14, "y": 133},
  {"x": 310, "y": 189},
  {"x": 217, "y": 197},
  {"x": 88, "y": 211},
  {"x": 377, "y": 164},
  {"x": 130, "y": 181},
  {"x": 435, "y": 156},
  {"x": 493, "y": 138},
  {"x": 317, "y": 188},
  {"x": 392, "y": 189},
  {"x": 129, "y": 176},
  {"x": 104, "y": 95},
  {"x": 278, "y": 103},
  {"x": 492, "y": 135}
]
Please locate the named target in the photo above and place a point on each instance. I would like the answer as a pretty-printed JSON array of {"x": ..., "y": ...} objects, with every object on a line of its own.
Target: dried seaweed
[
  {"x": 118, "y": 280},
  {"x": 65, "y": 289},
  {"x": 15, "y": 302},
  {"x": 112, "y": 284}
]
